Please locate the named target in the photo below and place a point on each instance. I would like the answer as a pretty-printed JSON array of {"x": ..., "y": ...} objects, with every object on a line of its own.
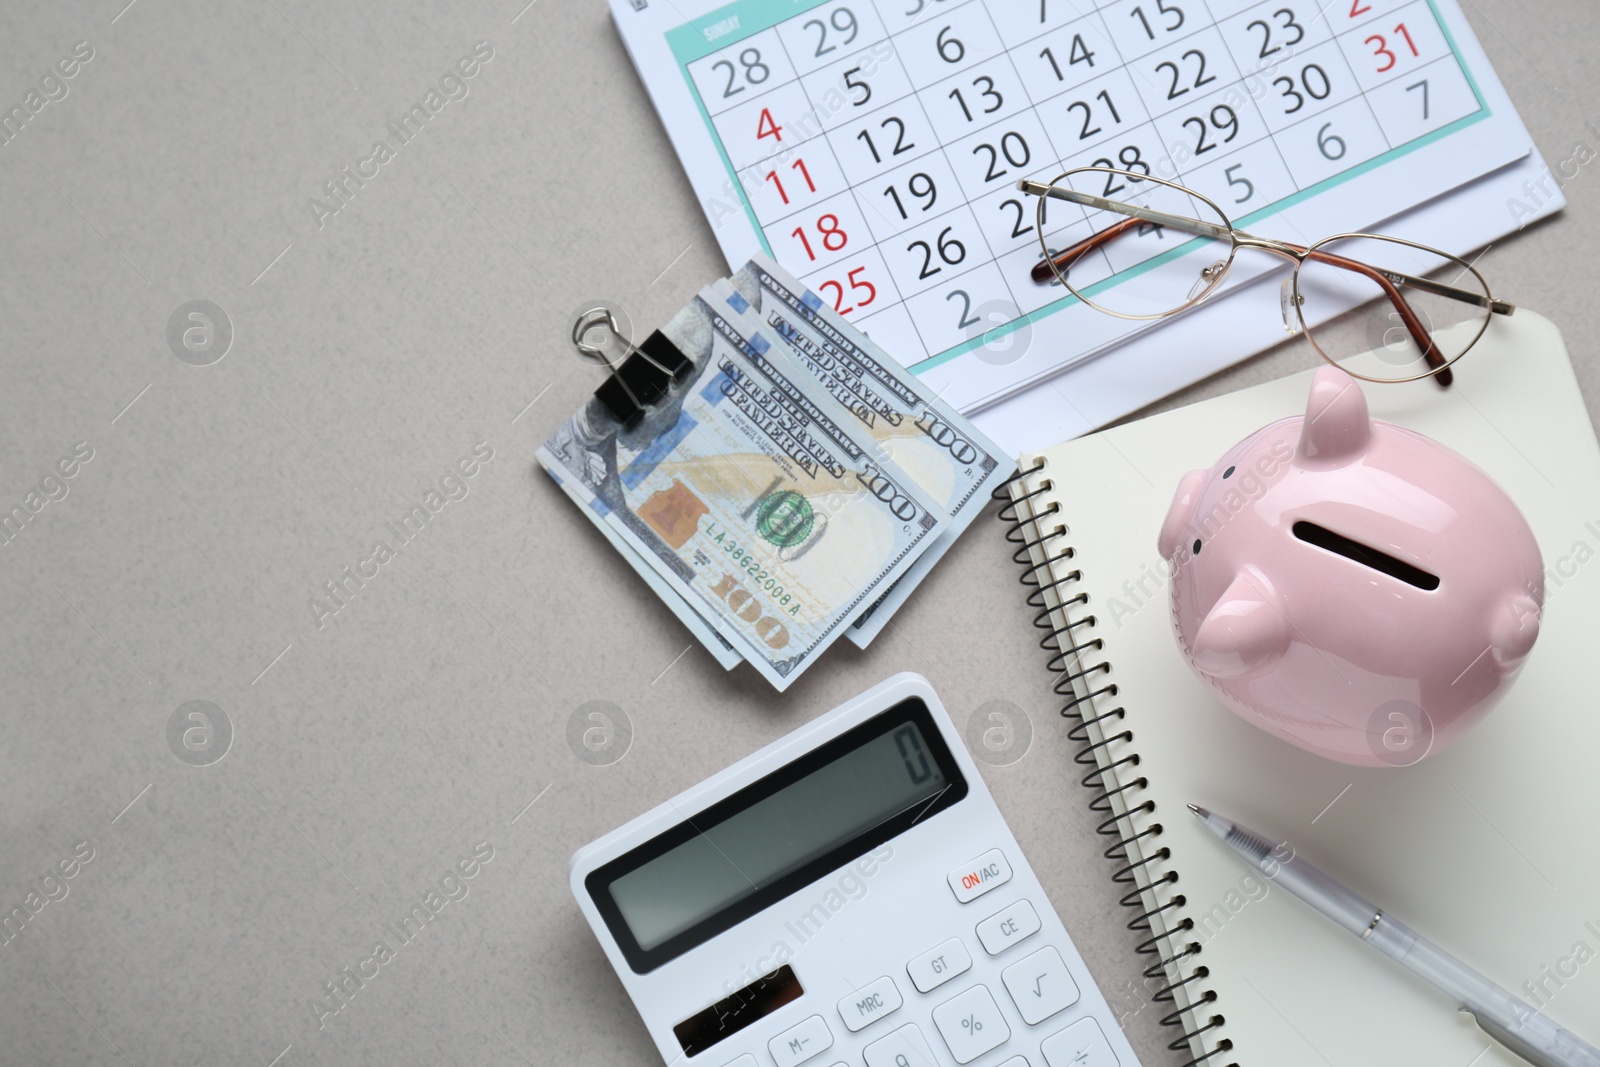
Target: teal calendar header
[{"x": 699, "y": 37}]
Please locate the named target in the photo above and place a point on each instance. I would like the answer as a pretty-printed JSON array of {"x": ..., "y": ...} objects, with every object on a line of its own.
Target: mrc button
[
  {"x": 869, "y": 1003},
  {"x": 972, "y": 880}
]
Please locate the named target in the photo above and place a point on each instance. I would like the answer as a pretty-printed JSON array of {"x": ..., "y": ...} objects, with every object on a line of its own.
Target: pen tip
[{"x": 1199, "y": 811}]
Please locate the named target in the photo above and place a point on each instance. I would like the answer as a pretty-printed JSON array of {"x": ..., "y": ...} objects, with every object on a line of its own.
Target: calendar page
[{"x": 873, "y": 147}]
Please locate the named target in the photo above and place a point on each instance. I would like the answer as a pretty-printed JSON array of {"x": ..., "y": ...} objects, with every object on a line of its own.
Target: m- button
[
  {"x": 869, "y": 1003},
  {"x": 972, "y": 880},
  {"x": 801, "y": 1042}
]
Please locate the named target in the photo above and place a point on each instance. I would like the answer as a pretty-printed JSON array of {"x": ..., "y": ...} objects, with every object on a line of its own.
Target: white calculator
[{"x": 848, "y": 895}]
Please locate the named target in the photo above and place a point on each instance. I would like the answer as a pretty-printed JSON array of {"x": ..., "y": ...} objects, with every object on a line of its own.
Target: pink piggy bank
[{"x": 1350, "y": 586}]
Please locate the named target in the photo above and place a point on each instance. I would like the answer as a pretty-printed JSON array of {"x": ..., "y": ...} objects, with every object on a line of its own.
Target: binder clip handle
[{"x": 641, "y": 378}]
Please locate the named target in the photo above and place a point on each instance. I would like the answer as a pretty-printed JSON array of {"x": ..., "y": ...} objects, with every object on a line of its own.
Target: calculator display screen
[{"x": 812, "y": 816}]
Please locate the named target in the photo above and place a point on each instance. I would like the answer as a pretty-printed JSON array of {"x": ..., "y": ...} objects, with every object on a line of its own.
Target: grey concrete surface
[{"x": 232, "y": 860}]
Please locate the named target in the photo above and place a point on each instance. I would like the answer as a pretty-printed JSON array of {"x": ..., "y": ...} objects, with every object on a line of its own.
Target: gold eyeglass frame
[{"x": 1212, "y": 275}]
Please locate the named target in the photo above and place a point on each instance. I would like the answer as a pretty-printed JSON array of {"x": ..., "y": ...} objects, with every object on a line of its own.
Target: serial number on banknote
[{"x": 760, "y": 577}]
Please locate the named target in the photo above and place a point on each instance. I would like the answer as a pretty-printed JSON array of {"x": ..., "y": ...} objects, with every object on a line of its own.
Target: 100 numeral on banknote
[{"x": 943, "y": 454}]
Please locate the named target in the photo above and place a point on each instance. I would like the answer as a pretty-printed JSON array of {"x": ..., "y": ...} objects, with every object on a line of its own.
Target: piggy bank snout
[{"x": 1184, "y": 503}]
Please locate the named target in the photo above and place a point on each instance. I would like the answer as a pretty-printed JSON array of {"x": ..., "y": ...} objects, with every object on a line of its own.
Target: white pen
[{"x": 1504, "y": 1017}]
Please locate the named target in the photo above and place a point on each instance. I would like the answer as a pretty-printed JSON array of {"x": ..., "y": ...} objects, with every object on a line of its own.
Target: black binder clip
[{"x": 639, "y": 380}]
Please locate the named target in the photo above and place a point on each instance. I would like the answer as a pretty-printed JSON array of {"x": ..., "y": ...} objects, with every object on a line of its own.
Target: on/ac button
[{"x": 973, "y": 879}]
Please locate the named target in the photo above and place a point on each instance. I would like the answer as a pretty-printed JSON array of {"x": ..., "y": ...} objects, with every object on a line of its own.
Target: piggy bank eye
[
  {"x": 1197, "y": 546},
  {"x": 1227, "y": 472}
]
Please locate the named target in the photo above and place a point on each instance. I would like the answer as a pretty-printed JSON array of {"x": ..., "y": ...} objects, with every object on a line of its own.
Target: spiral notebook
[{"x": 1486, "y": 847}]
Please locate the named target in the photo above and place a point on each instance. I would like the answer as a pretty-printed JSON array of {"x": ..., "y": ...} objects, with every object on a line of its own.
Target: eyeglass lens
[
  {"x": 1406, "y": 300},
  {"x": 1133, "y": 265}
]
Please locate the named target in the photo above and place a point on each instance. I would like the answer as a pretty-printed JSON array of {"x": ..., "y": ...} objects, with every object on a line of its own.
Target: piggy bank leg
[
  {"x": 1244, "y": 633},
  {"x": 1514, "y": 629}
]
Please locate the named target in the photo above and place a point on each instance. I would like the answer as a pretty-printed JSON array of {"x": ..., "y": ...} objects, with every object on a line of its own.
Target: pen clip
[{"x": 1512, "y": 1042}]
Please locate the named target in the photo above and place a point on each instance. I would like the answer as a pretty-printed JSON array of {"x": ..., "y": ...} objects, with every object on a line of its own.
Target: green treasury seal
[{"x": 785, "y": 519}]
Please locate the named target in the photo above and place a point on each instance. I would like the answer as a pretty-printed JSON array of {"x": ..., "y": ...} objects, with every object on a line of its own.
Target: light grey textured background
[{"x": 373, "y": 750}]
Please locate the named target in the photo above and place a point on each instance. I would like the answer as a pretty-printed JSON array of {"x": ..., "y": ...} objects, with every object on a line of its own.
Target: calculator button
[
  {"x": 939, "y": 964},
  {"x": 1040, "y": 985},
  {"x": 1005, "y": 928},
  {"x": 906, "y": 1047},
  {"x": 748, "y": 1060},
  {"x": 801, "y": 1042},
  {"x": 1079, "y": 1045},
  {"x": 973, "y": 879},
  {"x": 869, "y": 1003},
  {"x": 971, "y": 1024},
  {"x": 1016, "y": 1061}
]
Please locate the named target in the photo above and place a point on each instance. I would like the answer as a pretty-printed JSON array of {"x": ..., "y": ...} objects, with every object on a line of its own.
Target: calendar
[{"x": 873, "y": 147}]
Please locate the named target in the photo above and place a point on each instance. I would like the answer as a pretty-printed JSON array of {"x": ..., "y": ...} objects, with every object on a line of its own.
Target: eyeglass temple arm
[
  {"x": 1198, "y": 227},
  {"x": 1466, "y": 296},
  {"x": 1201, "y": 228},
  {"x": 1388, "y": 281},
  {"x": 1043, "y": 272}
]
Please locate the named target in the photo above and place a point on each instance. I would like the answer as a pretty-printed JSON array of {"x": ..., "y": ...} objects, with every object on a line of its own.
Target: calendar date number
[{"x": 852, "y": 293}]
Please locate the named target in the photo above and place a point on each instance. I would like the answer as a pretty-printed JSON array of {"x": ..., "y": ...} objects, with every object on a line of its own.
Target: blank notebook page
[{"x": 1489, "y": 847}]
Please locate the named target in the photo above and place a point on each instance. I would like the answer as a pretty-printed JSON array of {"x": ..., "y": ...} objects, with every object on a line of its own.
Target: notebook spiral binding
[{"x": 1070, "y": 647}]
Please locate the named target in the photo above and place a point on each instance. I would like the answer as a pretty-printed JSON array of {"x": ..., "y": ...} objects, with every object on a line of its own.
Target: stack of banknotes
[{"x": 793, "y": 487}]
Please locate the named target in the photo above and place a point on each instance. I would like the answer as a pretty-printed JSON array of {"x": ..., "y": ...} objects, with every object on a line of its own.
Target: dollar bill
[
  {"x": 721, "y": 650},
  {"x": 773, "y": 520},
  {"x": 954, "y": 464}
]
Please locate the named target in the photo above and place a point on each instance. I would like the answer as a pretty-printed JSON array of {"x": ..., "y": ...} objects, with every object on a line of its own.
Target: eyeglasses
[{"x": 1166, "y": 248}]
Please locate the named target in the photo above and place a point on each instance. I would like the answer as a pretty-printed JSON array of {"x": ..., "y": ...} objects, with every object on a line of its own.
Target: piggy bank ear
[
  {"x": 1514, "y": 629},
  {"x": 1179, "y": 514},
  {"x": 1244, "y": 633},
  {"x": 1337, "y": 425}
]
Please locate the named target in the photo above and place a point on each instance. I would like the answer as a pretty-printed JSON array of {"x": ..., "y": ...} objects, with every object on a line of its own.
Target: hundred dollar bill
[
  {"x": 770, "y": 517},
  {"x": 724, "y": 653},
  {"x": 954, "y": 464}
]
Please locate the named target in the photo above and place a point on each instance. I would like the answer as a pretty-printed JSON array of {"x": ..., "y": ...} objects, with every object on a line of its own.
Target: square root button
[
  {"x": 1040, "y": 985},
  {"x": 972, "y": 880}
]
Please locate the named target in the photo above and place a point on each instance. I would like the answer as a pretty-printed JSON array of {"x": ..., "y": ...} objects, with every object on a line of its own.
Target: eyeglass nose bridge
[
  {"x": 1212, "y": 274},
  {"x": 1264, "y": 244},
  {"x": 1289, "y": 298}
]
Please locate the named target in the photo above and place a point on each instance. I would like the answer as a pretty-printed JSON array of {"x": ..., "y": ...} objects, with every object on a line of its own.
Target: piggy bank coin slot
[{"x": 1365, "y": 555}]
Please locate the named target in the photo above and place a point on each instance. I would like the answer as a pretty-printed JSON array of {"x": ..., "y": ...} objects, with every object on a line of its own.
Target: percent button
[{"x": 971, "y": 1024}]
